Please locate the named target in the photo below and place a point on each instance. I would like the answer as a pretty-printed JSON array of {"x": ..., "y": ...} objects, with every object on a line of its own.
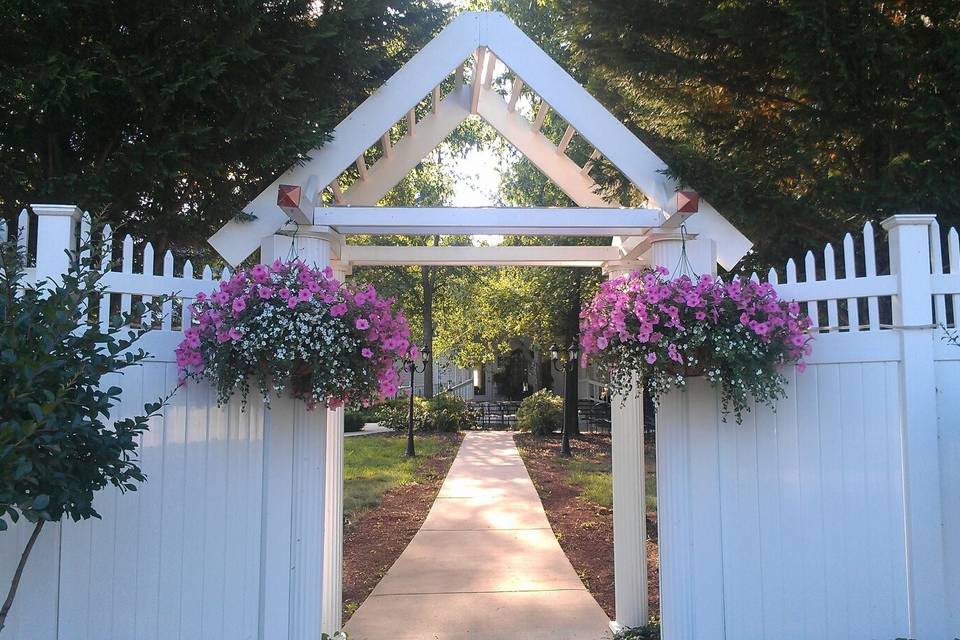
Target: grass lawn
[
  {"x": 595, "y": 481},
  {"x": 372, "y": 465}
]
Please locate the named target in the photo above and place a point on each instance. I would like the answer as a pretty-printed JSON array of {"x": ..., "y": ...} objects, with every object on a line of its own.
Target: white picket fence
[
  {"x": 835, "y": 517},
  {"x": 838, "y": 515},
  {"x": 181, "y": 557}
]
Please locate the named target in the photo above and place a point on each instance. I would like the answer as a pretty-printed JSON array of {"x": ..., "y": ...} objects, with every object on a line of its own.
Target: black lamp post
[
  {"x": 414, "y": 369},
  {"x": 573, "y": 355}
]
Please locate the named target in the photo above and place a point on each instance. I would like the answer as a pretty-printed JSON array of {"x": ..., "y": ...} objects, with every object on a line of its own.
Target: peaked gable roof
[{"x": 486, "y": 37}]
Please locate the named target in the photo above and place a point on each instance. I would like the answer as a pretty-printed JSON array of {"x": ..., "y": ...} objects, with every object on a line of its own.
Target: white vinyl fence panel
[
  {"x": 795, "y": 524},
  {"x": 180, "y": 557}
]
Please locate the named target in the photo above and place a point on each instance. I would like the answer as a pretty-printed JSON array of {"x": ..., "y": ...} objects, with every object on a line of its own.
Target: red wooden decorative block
[
  {"x": 688, "y": 202},
  {"x": 288, "y": 196}
]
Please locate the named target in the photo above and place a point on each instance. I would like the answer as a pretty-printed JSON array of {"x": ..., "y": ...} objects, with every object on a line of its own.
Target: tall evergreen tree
[
  {"x": 170, "y": 116},
  {"x": 798, "y": 119}
]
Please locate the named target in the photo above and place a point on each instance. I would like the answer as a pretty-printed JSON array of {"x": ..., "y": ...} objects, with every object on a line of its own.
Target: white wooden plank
[
  {"x": 515, "y": 90},
  {"x": 476, "y": 82},
  {"x": 770, "y": 551},
  {"x": 953, "y": 253},
  {"x": 479, "y": 220},
  {"x": 936, "y": 264},
  {"x": 542, "y": 112},
  {"x": 491, "y": 66},
  {"x": 850, "y": 271},
  {"x": 536, "y": 147},
  {"x": 167, "y": 311},
  {"x": 193, "y": 546},
  {"x": 565, "y": 140},
  {"x": 23, "y": 230},
  {"x": 542, "y": 256},
  {"x": 432, "y": 130},
  {"x": 216, "y": 528},
  {"x": 853, "y": 479},
  {"x": 791, "y": 508},
  {"x": 412, "y": 122},
  {"x": 830, "y": 269},
  {"x": 126, "y": 264},
  {"x": 870, "y": 262},
  {"x": 810, "y": 276}
]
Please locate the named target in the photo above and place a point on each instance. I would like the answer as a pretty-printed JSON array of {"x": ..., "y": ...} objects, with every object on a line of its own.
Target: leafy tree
[
  {"x": 57, "y": 448},
  {"x": 797, "y": 119},
  {"x": 170, "y": 116}
]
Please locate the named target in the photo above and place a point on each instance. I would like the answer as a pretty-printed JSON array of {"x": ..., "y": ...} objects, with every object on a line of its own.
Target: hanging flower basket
[
  {"x": 661, "y": 330},
  {"x": 295, "y": 330}
]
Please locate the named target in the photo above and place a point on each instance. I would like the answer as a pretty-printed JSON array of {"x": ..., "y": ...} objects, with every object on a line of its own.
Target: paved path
[{"x": 484, "y": 566}]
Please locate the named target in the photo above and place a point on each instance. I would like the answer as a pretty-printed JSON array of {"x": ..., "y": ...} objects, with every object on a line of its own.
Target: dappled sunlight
[{"x": 485, "y": 549}]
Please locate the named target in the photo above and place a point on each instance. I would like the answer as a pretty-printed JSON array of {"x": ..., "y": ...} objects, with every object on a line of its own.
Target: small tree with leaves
[{"x": 57, "y": 444}]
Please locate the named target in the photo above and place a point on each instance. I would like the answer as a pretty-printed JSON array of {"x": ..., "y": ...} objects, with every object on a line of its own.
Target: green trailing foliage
[
  {"x": 540, "y": 413},
  {"x": 649, "y": 632},
  {"x": 58, "y": 445}
]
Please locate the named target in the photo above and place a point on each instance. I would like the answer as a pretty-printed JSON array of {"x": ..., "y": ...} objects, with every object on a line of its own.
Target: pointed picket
[
  {"x": 791, "y": 271},
  {"x": 772, "y": 277},
  {"x": 207, "y": 273},
  {"x": 148, "y": 319},
  {"x": 126, "y": 261},
  {"x": 754, "y": 277},
  {"x": 810, "y": 275},
  {"x": 106, "y": 247},
  {"x": 23, "y": 231},
  {"x": 870, "y": 265},
  {"x": 830, "y": 273},
  {"x": 953, "y": 254},
  {"x": 186, "y": 318},
  {"x": 849, "y": 273},
  {"x": 166, "y": 322},
  {"x": 936, "y": 268}
]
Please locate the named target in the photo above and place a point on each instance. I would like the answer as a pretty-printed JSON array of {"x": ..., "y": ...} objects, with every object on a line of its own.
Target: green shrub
[
  {"x": 446, "y": 413},
  {"x": 649, "y": 632},
  {"x": 354, "y": 420},
  {"x": 393, "y": 414},
  {"x": 540, "y": 413}
]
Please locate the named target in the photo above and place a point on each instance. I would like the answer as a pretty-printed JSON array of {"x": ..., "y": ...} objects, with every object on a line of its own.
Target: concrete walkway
[{"x": 485, "y": 565}]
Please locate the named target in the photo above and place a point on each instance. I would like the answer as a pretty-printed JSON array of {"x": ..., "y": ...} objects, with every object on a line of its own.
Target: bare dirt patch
[
  {"x": 375, "y": 538},
  {"x": 583, "y": 528}
]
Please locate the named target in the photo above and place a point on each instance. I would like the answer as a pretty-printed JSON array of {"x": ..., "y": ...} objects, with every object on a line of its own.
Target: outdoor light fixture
[
  {"x": 414, "y": 369},
  {"x": 573, "y": 355}
]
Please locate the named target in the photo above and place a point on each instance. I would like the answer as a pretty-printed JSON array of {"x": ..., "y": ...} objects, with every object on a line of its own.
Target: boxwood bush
[{"x": 540, "y": 413}]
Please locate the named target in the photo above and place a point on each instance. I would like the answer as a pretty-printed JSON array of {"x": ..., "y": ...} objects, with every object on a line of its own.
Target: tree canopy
[{"x": 171, "y": 116}]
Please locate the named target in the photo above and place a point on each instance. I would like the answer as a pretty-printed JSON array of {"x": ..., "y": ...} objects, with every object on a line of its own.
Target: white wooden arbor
[{"x": 303, "y": 459}]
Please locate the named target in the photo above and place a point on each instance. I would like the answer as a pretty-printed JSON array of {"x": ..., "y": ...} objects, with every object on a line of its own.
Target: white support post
[
  {"x": 56, "y": 235},
  {"x": 298, "y": 554},
  {"x": 686, "y": 602},
  {"x": 923, "y": 515},
  {"x": 332, "y": 615},
  {"x": 629, "y": 500}
]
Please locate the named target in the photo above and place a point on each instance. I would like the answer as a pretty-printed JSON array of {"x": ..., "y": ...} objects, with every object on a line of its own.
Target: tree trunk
[
  {"x": 428, "y": 277},
  {"x": 15, "y": 583}
]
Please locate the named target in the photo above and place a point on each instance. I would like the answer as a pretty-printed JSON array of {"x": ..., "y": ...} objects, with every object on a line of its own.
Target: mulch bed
[
  {"x": 583, "y": 529},
  {"x": 374, "y": 540}
]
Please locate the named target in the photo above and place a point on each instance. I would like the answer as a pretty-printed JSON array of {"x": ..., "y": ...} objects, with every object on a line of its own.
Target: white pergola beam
[
  {"x": 432, "y": 130},
  {"x": 482, "y": 220},
  {"x": 529, "y": 256},
  {"x": 560, "y": 169},
  {"x": 356, "y": 133},
  {"x": 603, "y": 131}
]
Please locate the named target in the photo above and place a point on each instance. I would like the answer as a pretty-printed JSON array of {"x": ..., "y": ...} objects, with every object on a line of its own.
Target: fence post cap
[
  {"x": 57, "y": 210},
  {"x": 901, "y": 219}
]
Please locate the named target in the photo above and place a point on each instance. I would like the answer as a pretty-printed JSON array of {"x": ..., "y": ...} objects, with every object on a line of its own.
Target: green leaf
[{"x": 40, "y": 502}]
